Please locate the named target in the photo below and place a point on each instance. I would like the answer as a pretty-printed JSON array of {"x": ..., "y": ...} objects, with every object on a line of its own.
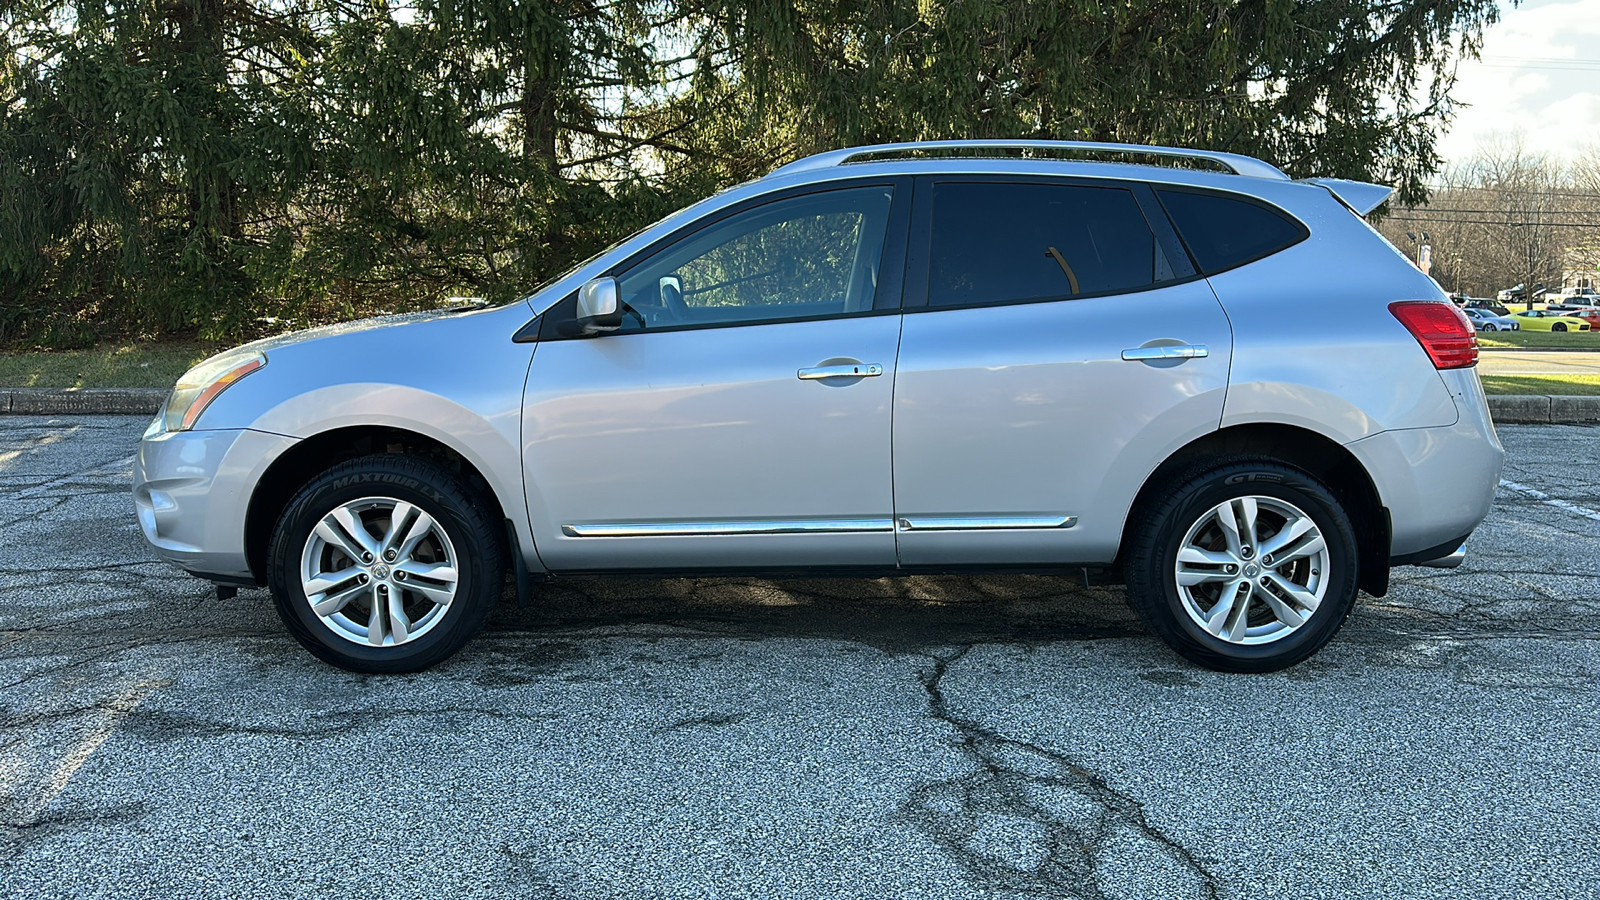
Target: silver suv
[{"x": 895, "y": 359}]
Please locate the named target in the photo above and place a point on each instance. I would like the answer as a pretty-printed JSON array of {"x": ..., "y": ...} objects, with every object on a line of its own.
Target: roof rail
[{"x": 1236, "y": 163}]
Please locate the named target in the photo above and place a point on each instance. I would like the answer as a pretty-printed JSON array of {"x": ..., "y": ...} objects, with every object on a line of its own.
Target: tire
[
  {"x": 1256, "y": 637},
  {"x": 1490, "y": 327},
  {"x": 404, "y": 590},
  {"x": 1559, "y": 326}
]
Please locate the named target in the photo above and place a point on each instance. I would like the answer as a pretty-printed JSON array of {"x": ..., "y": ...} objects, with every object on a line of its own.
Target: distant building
[{"x": 1580, "y": 267}]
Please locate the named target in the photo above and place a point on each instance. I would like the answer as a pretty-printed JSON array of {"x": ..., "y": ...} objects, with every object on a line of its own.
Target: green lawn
[
  {"x": 112, "y": 365},
  {"x": 1568, "y": 385},
  {"x": 1575, "y": 340}
]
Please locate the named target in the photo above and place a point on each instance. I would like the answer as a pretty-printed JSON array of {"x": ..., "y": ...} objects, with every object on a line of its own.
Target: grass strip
[
  {"x": 1560, "y": 385},
  {"x": 108, "y": 366},
  {"x": 1570, "y": 340}
]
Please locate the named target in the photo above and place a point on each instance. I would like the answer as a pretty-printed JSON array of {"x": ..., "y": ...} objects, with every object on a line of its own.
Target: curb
[
  {"x": 81, "y": 401},
  {"x": 1542, "y": 410},
  {"x": 1504, "y": 408}
]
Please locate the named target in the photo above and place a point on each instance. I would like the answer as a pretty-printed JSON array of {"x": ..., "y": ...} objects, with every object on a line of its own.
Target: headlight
[{"x": 201, "y": 385}]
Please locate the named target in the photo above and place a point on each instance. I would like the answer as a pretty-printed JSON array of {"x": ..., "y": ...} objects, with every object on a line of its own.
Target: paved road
[
  {"x": 1519, "y": 362},
  {"x": 933, "y": 737}
]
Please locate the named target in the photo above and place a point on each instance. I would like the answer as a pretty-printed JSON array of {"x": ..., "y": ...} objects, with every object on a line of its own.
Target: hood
[{"x": 268, "y": 344}]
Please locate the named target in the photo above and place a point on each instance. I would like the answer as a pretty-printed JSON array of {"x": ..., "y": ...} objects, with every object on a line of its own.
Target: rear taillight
[{"x": 1441, "y": 329}]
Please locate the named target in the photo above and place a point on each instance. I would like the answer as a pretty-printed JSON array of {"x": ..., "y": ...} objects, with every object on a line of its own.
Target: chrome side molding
[
  {"x": 665, "y": 529},
  {"x": 971, "y": 523}
]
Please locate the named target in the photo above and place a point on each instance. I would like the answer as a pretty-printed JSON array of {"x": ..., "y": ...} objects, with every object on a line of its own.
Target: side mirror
[{"x": 599, "y": 306}]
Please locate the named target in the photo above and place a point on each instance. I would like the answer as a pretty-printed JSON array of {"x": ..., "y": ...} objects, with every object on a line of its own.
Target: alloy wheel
[
  {"x": 379, "y": 571},
  {"x": 1252, "y": 570}
]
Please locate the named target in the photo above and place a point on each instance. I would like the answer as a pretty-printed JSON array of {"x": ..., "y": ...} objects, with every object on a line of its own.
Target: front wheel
[
  {"x": 1559, "y": 326},
  {"x": 1491, "y": 327},
  {"x": 386, "y": 563},
  {"x": 1247, "y": 567}
]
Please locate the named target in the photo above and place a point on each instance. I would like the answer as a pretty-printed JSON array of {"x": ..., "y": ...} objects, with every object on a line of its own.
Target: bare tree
[{"x": 1508, "y": 216}]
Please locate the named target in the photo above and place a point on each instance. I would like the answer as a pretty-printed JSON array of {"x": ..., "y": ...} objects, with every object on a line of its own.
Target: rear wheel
[
  {"x": 1246, "y": 567},
  {"x": 385, "y": 563}
]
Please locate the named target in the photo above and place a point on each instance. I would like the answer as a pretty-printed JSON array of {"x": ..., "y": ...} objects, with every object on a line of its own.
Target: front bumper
[{"x": 191, "y": 492}]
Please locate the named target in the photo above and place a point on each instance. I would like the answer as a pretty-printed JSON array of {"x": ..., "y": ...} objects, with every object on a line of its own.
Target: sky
[{"x": 1540, "y": 75}]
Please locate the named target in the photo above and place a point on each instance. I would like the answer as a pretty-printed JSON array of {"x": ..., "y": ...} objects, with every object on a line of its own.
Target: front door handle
[
  {"x": 1173, "y": 351},
  {"x": 850, "y": 370}
]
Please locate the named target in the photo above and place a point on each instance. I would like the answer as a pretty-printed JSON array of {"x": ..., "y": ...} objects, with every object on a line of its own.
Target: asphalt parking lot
[{"x": 1004, "y": 737}]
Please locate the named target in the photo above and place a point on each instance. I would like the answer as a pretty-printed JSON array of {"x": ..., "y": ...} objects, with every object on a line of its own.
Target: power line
[
  {"x": 1587, "y": 195},
  {"x": 1499, "y": 211},
  {"x": 1494, "y": 222}
]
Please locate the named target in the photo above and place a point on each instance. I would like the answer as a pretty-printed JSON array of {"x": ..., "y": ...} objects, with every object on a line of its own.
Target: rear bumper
[
  {"x": 191, "y": 490},
  {"x": 1450, "y": 561},
  {"x": 1437, "y": 483}
]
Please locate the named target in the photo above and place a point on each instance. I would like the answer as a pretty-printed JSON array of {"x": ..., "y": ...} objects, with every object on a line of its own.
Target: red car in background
[{"x": 1592, "y": 316}]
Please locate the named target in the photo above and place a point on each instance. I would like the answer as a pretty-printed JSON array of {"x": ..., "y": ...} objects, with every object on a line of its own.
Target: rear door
[{"x": 1057, "y": 345}]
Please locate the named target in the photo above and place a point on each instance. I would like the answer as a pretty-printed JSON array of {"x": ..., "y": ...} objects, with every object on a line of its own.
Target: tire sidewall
[
  {"x": 1291, "y": 487},
  {"x": 309, "y": 508}
]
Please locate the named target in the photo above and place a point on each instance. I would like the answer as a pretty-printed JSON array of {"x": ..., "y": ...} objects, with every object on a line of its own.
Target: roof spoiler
[{"x": 1360, "y": 196}]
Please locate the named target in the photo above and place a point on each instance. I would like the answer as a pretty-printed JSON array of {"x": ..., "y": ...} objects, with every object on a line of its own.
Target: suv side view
[{"x": 895, "y": 359}]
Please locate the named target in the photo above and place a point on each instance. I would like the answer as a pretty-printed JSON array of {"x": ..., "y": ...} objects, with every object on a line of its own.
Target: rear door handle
[
  {"x": 849, "y": 370},
  {"x": 1175, "y": 351}
]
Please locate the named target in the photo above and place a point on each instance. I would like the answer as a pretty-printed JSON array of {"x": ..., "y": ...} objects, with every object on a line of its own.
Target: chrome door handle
[
  {"x": 1177, "y": 351},
  {"x": 853, "y": 370}
]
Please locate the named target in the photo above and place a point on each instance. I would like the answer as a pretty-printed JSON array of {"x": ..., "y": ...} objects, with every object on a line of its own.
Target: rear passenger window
[
  {"x": 1010, "y": 242},
  {"x": 1223, "y": 232}
]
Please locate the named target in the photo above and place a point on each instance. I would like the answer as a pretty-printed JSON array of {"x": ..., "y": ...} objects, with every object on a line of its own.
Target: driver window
[{"x": 803, "y": 257}]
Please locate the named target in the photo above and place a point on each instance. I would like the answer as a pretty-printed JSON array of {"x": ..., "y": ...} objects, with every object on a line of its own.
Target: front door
[{"x": 740, "y": 417}]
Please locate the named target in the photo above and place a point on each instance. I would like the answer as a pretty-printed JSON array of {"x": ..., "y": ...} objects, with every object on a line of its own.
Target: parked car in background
[
  {"x": 1571, "y": 298},
  {"x": 1589, "y": 314},
  {"x": 1484, "y": 320},
  {"x": 1486, "y": 304},
  {"x": 1548, "y": 320},
  {"x": 1045, "y": 362}
]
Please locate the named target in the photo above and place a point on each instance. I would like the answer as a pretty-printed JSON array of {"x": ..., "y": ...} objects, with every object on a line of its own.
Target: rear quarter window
[{"x": 1224, "y": 231}]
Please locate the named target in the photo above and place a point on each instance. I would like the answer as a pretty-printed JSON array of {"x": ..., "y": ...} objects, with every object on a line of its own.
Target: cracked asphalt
[{"x": 1006, "y": 737}]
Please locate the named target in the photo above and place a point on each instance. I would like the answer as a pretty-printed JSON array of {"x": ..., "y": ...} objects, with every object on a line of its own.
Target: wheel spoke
[
  {"x": 1286, "y": 614},
  {"x": 1305, "y": 599},
  {"x": 331, "y": 531},
  {"x": 399, "y": 625},
  {"x": 329, "y": 580},
  {"x": 1229, "y": 526},
  {"x": 431, "y": 571},
  {"x": 375, "y": 620},
  {"x": 1195, "y": 555},
  {"x": 439, "y": 595},
  {"x": 419, "y": 530},
  {"x": 397, "y": 521},
  {"x": 1311, "y": 545},
  {"x": 352, "y": 526},
  {"x": 1246, "y": 516},
  {"x": 1192, "y": 577},
  {"x": 1292, "y": 531},
  {"x": 1216, "y": 621},
  {"x": 332, "y": 603}
]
